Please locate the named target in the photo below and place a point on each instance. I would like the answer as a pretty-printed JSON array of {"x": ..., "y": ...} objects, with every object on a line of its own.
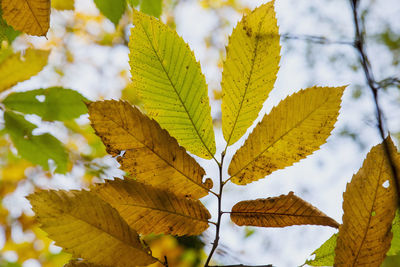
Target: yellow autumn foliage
[
  {"x": 151, "y": 155},
  {"x": 29, "y": 16},
  {"x": 250, "y": 70},
  {"x": 282, "y": 211},
  {"x": 92, "y": 226},
  {"x": 294, "y": 129},
  {"x": 150, "y": 210},
  {"x": 369, "y": 206}
]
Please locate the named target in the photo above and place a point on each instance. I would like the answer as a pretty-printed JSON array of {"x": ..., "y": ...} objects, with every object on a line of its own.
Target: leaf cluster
[{"x": 163, "y": 185}]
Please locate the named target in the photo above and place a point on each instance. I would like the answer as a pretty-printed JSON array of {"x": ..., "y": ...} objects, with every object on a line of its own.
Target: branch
[
  {"x": 218, "y": 225},
  {"x": 315, "y": 39},
  {"x": 359, "y": 44},
  {"x": 389, "y": 82}
]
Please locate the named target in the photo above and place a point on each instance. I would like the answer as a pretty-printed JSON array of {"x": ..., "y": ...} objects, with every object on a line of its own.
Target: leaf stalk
[{"x": 220, "y": 212}]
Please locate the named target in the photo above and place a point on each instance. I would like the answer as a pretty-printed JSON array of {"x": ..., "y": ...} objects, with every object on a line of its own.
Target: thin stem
[
  {"x": 212, "y": 192},
  {"x": 315, "y": 39},
  {"x": 366, "y": 65},
  {"x": 218, "y": 225}
]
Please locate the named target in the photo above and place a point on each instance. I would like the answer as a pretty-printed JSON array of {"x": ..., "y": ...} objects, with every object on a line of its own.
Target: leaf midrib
[
  {"x": 162, "y": 210},
  {"x": 280, "y": 137},
  {"x": 278, "y": 214},
  {"x": 158, "y": 155},
  {"x": 33, "y": 14},
  {"x": 176, "y": 92},
  {"x": 103, "y": 230},
  {"x": 253, "y": 59},
  {"x": 370, "y": 214}
]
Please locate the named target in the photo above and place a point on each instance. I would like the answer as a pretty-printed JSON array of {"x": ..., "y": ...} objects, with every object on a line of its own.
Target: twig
[
  {"x": 388, "y": 82},
  {"x": 359, "y": 44},
  {"x": 315, "y": 39},
  {"x": 218, "y": 225}
]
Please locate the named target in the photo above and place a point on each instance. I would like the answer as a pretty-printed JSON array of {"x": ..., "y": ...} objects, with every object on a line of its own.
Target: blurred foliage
[{"x": 74, "y": 30}]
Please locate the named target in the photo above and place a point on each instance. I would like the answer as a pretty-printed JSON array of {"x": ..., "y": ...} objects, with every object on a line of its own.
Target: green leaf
[
  {"x": 63, "y": 4},
  {"x": 395, "y": 244},
  {"x": 170, "y": 83},
  {"x": 325, "y": 254},
  {"x": 250, "y": 70},
  {"x": 112, "y": 9},
  {"x": 391, "y": 261},
  {"x": 19, "y": 67},
  {"x": 5, "y": 53},
  {"x": 133, "y": 3},
  {"x": 36, "y": 148},
  {"x": 58, "y": 104},
  {"x": 151, "y": 7}
]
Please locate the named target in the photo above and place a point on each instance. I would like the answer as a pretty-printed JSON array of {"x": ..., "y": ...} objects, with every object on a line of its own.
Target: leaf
[
  {"x": 32, "y": 62},
  {"x": 369, "y": 206},
  {"x": 282, "y": 211},
  {"x": 133, "y": 3},
  {"x": 112, "y": 9},
  {"x": 151, "y": 155},
  {"x": 294, "y": 129},
  {"x": 81, "y": 263},
  {"x": 29, "y": 16},
  {"x": 150, "y": 210},
  {"x": 6, "y": 32},
  {"x": 63, "y": 4},
  {"x": 395, "y": 244},
  {"x": 151, "y": 7},
  {"x": 325, "y": 254},
  {"x": 89, "y": 228},
  {"x": 171, "y": 85},
  {"x": 51, "y": 104},
  {"x": 250, "y": 70},
  {"x": 38, "y": 149},
  {"x": 391, "y": 261}
]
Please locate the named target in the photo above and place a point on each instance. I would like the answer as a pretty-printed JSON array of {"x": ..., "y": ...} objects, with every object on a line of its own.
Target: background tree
[{"x": 83, "y": 40}]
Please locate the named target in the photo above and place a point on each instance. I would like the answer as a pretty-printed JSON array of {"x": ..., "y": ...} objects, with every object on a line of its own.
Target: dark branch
[
  {"x": 359, "y": 44},
  {"x": 218, "y": 225},
  {"x": 390, "y": 81},
  {"x": 315, "y": 39}
]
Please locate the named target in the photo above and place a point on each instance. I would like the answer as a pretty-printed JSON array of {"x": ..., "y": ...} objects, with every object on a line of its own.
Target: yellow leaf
[
  {"x": 151, "y": 156},
  {"x": 29, "y": 16},
  {"x": 63, "y": 4},
  {"x": 150, "y": 210},
  {"x": 285, "y": 210},
  {"x": 88, "y": 228},
  {"x": 14, "y": 170},
  {"x": 294, "y": 129},
  {"x": 81, "y": 263},
  {"x": 369, "y": 206},
  {"x": 17, "y": 67},
  {"x": 24, "y": 250},
  {"x": 170, "y": 83},
  {"x": 250, "y": 70}
]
